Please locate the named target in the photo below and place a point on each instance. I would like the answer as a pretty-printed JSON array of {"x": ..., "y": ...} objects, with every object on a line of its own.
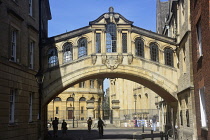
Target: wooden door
[{"x": 70, "y": 114}]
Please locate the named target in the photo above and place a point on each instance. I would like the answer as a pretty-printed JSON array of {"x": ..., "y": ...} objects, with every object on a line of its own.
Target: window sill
[
  {"x": 204, "y": 128},
  {"x": 12, "y": 124},
  {"x": 32, "y": 17}
]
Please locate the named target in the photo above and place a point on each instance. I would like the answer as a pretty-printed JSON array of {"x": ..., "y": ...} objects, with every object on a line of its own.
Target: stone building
[
  {"x": 130, "y": 100},
  {"x": 178, "y": 26},
  {"x": 80, "y": 101},
  {"x": 200, "y": 51},
  {"x": 19, "y": 63}
]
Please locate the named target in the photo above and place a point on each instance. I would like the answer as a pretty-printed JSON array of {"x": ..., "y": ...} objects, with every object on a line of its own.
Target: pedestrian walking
[
  {"x": 55, "y": 127},
  {"x": 64, "y": 128},
  {"x": 100, "y": 127},
  {"x": 154, "y": 123},
  {"x": 89, "y": 122}
]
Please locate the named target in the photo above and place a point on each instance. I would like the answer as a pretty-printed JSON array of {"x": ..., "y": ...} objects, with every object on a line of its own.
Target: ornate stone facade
[{"x": 82, "y": 101}]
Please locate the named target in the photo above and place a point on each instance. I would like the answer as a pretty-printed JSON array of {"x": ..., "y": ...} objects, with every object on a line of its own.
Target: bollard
[
  {"x": 152, "y": 136},
  {"x": 161, "y": 135},
  {"x": 143, "y": 129}
]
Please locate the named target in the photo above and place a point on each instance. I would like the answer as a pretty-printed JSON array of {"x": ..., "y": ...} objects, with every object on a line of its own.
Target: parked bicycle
[{"x": 170, "y": 134}]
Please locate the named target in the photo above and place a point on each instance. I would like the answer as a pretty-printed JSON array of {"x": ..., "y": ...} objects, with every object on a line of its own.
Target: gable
[{"x": 111, "y": 16}]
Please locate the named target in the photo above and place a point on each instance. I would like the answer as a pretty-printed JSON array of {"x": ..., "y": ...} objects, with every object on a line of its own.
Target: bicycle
[{"x": 170, "y": 134}]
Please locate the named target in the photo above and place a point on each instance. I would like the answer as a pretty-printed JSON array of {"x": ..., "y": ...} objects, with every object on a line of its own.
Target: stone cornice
[
  {"x": 153, "y": 35},
  {"x": 68, "y": 35}
]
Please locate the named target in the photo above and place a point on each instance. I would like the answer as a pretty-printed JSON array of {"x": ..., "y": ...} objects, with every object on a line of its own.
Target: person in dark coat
[
  {"x": 100, "y": 127},
  {"x": 55, "y": 127},
  {"x": 89, "y": 122},
  {"x": 64, "y": 128}
]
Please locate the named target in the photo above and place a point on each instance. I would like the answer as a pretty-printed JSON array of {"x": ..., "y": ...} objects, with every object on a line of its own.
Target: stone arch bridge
[{"x": 110, "y": 47}]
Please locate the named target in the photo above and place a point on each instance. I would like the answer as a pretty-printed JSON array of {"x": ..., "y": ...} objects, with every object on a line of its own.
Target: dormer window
[{"x": 111, "y": 38}]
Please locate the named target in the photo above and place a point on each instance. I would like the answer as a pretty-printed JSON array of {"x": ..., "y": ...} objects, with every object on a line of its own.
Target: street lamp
[
  {"x": 40, "y": 78},
  {"x": 73, "y": 108},
  {"x": 135, "y": 96}
]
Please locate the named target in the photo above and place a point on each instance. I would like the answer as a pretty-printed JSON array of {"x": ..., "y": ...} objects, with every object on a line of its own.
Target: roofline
[
  {"x": 100, "y": 17},
  {"x": 154, "y": 35}
]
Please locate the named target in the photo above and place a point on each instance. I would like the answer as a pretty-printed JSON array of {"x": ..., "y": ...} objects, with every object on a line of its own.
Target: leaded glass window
[
  {"x": 31, "y": 54},
  {"x": 111, "y": 38},
  {"x": 52, "y": 57},
  {"x": 98, "y": 43},
  {"x": 70, "y": 99},
  {"x": 13, "y": 45},
  {"x": 168, "y": 56},
  {"x": 67, "y": 52},
  {"x": 124, "y": 42},
  {"x": 82, "y": 99},
  {"x": 154, "y": 52},
  {"x": 57, "y": 99},
  {"x": 12, "y": 106},
  {"x": 82, "y": 48},
  {"x": 139, "y": 45}
]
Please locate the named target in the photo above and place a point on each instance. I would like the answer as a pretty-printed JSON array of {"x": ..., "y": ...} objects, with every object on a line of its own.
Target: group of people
[
  {"x": 55, "y": 127},
  {"x": 100, "y": 125},
  {"x": 141, "y": 122},
  {"x": 64, "y": 126}
]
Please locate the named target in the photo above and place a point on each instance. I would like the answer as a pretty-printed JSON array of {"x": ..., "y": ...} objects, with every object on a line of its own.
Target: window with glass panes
[
  {"x": 168, "y": 56},
  {"x": 199, "y": 39},
  {"x": 31, "y": 54},
  {"x": 124, "y": 42},
  {"x": 98, "y": 43},
  {"x": 111, "y": 38},
  {"x": 13, "y": 45},
  {"x": 82, "y": 48},
  {"x": 12, "y": 106},
  {"x": 154, "y": 52},
  {"x": 30, "y": 106},
  {"x": 67, "y": 52},
  {"x": 52, "y": 57},
  {"x": 139, "y": 47},
  {"x": 30, "y": 5}
]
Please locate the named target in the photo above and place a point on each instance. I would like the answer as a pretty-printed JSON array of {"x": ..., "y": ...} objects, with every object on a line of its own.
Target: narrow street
[{"x": 109, "y": 133}]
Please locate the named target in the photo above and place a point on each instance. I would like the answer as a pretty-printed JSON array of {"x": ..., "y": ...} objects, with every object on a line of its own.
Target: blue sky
[{"x": 68, "y": 15}]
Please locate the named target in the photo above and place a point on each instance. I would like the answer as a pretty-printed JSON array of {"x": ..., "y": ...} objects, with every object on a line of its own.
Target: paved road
[{"x": 111, "y": 134}]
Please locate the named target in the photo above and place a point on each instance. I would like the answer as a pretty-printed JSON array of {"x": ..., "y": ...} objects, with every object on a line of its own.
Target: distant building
[
  {"x": 19, "y": 63},
  {"x": 130, "y": 100},
  {"x": 81, "y": 101}
]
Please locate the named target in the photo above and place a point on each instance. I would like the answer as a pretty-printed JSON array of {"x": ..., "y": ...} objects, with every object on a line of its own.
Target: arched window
[
  {"x": 168, "y": 57},
  {"x": 70, "y": 99},
  {"x": 139, "y": 45},
  {"x": 92, "y": 99},
  {"x": 82, "y": 99},
  {"x": 82, "y": 47},
  {"x": 67, "y": 52},
  {"x": 154, "y": 52},
  {"x": 111, "y": 38},
  {"x": 57, "y": 99},
  {"x": 52, "y": 57}
]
